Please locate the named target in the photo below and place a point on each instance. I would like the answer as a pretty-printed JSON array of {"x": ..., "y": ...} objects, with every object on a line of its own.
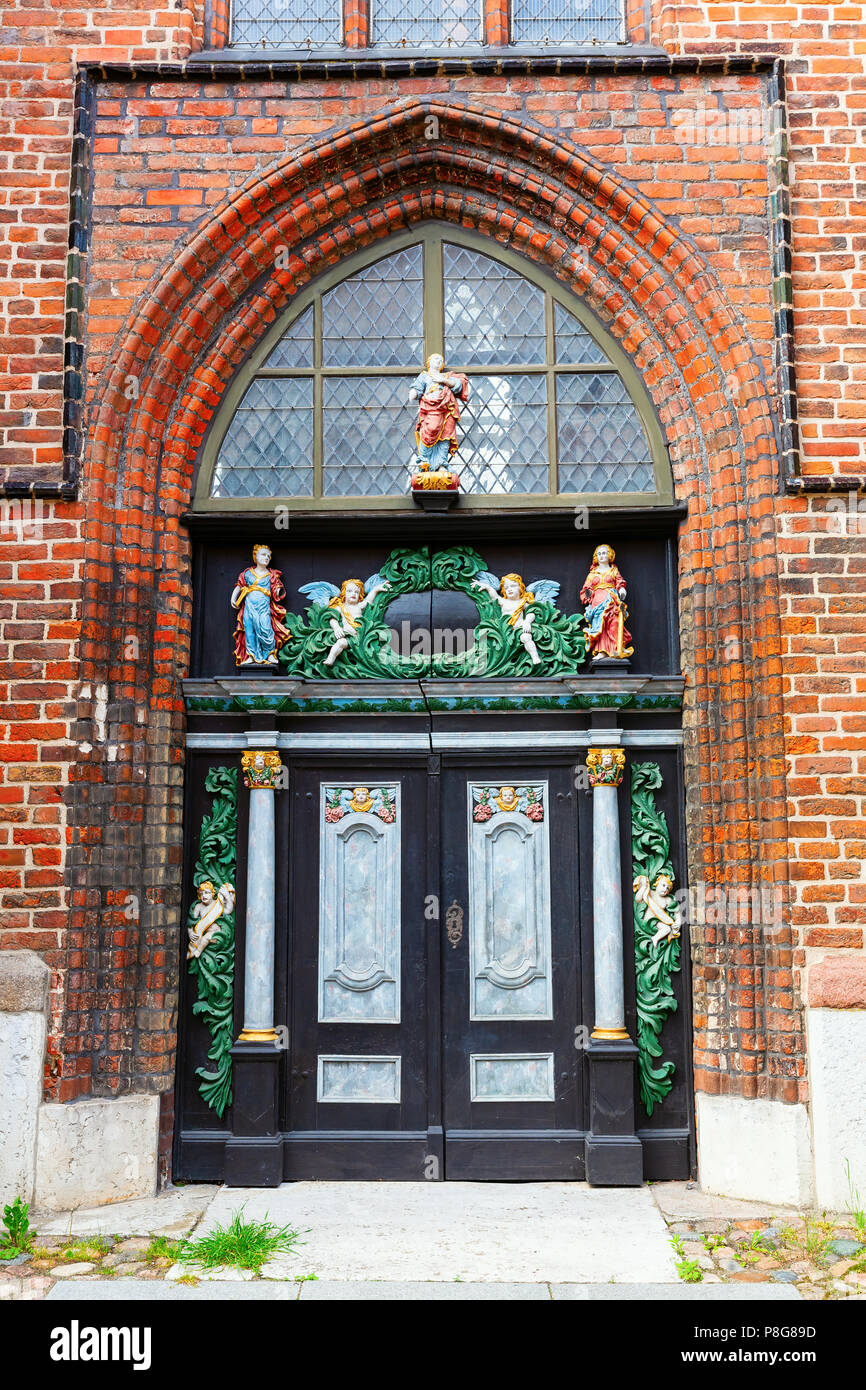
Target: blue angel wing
[
  {"x": 545, "y": 590},
  {"x": 373, "y": 581},
  {"x": 487, "y": 578},
  {"x": 320, "y": 592}
]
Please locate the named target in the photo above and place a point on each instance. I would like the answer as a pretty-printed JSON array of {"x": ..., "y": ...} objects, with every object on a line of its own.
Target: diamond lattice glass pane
[
  {"x": 287, "y": 24},
  {"x": 504, "y": 435},
  {"x": 296, "y": 348},
  {"x": 438, "y": 23},
  {"x": 366, "y": 436},
  {"x": 376, "y": 318},
  {"x": 268, "y": 448},
  {"x": 573, "y": 342},
  {"x": 602, "y": 444},
  {"x": 567, "y": 21},
  {"x": 492, "y": 315}
]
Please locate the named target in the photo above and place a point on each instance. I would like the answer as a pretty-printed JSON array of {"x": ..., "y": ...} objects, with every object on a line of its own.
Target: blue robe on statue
[{"x": 258, "y": 627}]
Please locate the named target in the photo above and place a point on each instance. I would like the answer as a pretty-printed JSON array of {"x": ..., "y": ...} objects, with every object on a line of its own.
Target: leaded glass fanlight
[{"x": 320, "y": 415}]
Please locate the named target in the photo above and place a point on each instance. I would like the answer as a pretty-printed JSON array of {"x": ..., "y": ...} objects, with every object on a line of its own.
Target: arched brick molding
[{"x": 423, "y": 159}]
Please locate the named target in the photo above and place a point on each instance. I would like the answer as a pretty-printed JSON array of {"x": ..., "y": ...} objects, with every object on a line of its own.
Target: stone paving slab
[
  {"x": 522, "y": 1233},
  {"x": 366, "y": 1291},
  {"x": 678, "y": 1293},
  {"x": 110, "y": 1291},
  {"x": 158, "y": 1291},
  {"x": 173, "y": 1213},
  {"x": 680, "y": 1201}
]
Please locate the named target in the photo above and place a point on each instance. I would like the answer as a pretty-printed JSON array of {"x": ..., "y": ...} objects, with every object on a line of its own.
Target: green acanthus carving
[
  {"x": 520, "y": 631},
  {"x": 211, "y": 930},
  {"x": 656, "y": 931}
]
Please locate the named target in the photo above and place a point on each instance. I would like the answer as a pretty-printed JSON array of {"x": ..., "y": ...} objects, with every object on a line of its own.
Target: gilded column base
[
  {"x": 258, "y": 1035},
  {"x": 607, "y": 1034}
]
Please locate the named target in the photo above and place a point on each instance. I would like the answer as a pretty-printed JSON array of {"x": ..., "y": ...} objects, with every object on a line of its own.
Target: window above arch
[
  {"x": 430, "y": 24},
  {"x": 320, "y": 416}
]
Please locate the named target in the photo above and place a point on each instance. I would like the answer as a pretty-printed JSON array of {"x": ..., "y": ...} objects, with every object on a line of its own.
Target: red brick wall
[
  {"x": 83, "y": 722},
  {"x": 822, "y": 539}
]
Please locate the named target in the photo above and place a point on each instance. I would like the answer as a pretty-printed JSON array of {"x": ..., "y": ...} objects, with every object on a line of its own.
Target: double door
[{"x": 435, "y": 1005}]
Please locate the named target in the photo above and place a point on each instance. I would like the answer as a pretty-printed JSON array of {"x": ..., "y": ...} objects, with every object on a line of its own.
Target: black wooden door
[
  {"x": 511, "y": 996},
  {"x": 359, "y": 1083}
]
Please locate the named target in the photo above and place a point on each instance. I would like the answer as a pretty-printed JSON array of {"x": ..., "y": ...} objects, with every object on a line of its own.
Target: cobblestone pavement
[{"x": 712, "y": 1240}]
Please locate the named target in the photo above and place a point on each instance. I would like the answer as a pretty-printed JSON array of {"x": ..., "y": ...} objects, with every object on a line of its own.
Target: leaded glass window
[
  {"x": 323, "y": 411},
  {"x": 287, "y": 23},
  {"x": 425, "y": 23},
  {"x": 541, "y": 22}
]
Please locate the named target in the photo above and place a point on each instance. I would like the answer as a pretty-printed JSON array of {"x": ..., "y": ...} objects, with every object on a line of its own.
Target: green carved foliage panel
[
  {"x": 211, "y": 934},
  {"x": 526, "y": 636},
  {"x": 656, "y": 932}
]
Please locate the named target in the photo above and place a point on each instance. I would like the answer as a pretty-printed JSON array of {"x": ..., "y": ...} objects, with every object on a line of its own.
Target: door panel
[
  {"x": 359, "y": 905},
  {"x": 358, "y": 1090},
  {"x": 513, "y": 1094},
  {"x": 509, "y": 902}
]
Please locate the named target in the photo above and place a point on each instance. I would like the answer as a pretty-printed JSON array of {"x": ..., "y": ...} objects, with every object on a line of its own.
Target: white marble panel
[
  {"x": 509, "y": 902},
  {"x": 359, "y": 907},
  {"x": 359, "y": 1080},
  {"x": 511, "y": 1076}
]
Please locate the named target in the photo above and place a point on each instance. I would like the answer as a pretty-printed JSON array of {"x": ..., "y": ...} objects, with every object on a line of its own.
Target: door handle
[{"x": 454, "y": 924}]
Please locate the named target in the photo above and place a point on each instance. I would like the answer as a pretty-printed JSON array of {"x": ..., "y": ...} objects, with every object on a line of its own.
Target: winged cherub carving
[
  {"x": 514, "y": 599},
  {"x": 348, "y": 602}
]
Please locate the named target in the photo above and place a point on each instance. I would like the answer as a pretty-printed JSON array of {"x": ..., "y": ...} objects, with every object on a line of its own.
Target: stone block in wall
[
  {"x": 837, "y": 1087},
  {"x": 95, "y": 1151},
  {"x": 24, "y": 981},
  {"x": 759, "y": 1150}
]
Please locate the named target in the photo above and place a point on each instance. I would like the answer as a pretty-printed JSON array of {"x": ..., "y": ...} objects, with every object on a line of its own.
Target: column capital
[
  {"x": 606, "y": 766},
  {"x": 262, "y": 768}
]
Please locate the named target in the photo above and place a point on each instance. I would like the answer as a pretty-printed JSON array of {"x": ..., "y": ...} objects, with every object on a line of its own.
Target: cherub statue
[
  {"x": 206, "y": 913},
  {"x": 349, "y": 601},
  {"x": 514, "y": 598},
  {"x": 605, "y": 612},
  {"x": 658, "y": 905},
  {"x": 260, "y": 631},
  {"x": 439, "y": 394}
]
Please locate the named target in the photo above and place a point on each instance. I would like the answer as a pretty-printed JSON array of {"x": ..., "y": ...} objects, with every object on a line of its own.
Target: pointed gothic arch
[{"x": 544, "y": 199}]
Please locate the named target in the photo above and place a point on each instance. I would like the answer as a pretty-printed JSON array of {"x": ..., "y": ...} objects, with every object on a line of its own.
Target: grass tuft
[
  {"x": 855, "y": 1204},
  {"x": 243, "y": 1244},
  {"x": 84, "y": 1248},
  {"x": 161, "y": 1248},
  {"x": 688, "y": 1270}
]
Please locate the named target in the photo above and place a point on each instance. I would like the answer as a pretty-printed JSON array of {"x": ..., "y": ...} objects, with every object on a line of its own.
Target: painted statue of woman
[
  {"x": 260, "y": 631},
  {"x": 605, "y": 611},
  {"x": 440, "y": 395}
]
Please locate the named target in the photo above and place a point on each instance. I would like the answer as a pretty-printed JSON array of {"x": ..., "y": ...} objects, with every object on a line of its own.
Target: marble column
[
  {"x": 254, "y": 1150},
  {"x": 605, "y": 775},
  {"x": 614, "y": 1153},
  {"x": 261, "y": 773}
]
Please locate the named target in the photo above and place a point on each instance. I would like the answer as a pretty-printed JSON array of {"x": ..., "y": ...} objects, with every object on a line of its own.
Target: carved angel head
[
  {"x": 512, "y": 586},
  {"x": 351, "y": 591}
]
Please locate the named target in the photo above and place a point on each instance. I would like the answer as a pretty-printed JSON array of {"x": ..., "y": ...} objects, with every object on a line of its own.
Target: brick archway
[{"x": 423, "y": 159}]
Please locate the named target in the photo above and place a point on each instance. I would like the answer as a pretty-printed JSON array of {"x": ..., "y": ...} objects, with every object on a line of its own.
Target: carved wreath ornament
[{"x": 520, "y": 631}]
